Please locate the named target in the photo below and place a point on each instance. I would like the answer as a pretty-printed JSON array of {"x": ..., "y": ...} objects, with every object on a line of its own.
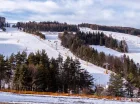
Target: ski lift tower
[
  {"x": 106, "y": 66},
  {"x": 55, "y": 44}
]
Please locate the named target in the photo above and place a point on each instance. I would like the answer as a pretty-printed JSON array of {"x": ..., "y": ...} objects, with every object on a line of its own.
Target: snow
[
  {"x": 0, "y": 30},
  {"x": 46, "y": 99},
  {"x": 101, "y": 79},
  {"x": 106, "y": 50},
  {"x": 14, "y": 41},
  {"x": 132, "y": 41}
]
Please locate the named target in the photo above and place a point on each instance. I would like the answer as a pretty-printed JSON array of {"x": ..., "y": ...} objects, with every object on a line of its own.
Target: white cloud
[
  {"x": 33, "y": 6},
  {"x": 107, "y": 12}
]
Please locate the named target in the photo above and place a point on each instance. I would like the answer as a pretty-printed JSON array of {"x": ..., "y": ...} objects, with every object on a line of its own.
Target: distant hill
[{"x": 127, "y": 30}]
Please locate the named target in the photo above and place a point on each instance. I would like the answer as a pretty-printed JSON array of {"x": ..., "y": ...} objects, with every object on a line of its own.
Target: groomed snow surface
[{"x": 46, "y": 99}]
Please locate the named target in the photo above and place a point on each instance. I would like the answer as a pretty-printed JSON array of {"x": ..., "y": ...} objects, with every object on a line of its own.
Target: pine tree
[
  {"x": 25, "y": 78},
  {"x": 115, "y": 85},
  {"x": 8, "y": 72},
  {"x": 20, "y": 58},
  {"x": 60, "y": 72},
  {"x": 12, "y": 61},
  {"x": 101, "y": 58},
  {"x": 40, "y": 80},
  {"x": 31, "y": 59},
  {"x": 72, "y": 75},
  {"x": 66, "y": 75},
  {"x": 129, "y": 89},
  {"x": 16, "y": 82},
  {"x": 53, "y": 71},
  {"x": 44, "y": 60},
  {"x": 2, "y": 69}
]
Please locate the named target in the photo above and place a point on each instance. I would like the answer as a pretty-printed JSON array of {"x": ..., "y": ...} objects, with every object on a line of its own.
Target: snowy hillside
[
  {"x": 14, "y": 40},
  {"x": 133, "y": 43},
  {"x": 46, "y": 99},
  {"x": 106, "y": 50}
]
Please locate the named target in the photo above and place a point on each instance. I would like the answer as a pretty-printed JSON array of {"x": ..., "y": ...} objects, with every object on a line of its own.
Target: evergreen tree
[
  {"x": 31, "y": 59},
  {"x": 66, "y": 75},
  {"x": 40, "y": 79},
  {"x": 16, "y": 81},
  {"x": 60, "y": 79},
  {"x": 115, "y": 85},
  {"x": 8, "y": 72},
  {"x": 53, "y": 71},
  {"x": 44, "y": 60},
  {"x": 12, "y": 61},
  {"x": 2, "y": 69},
  {"x": 25, "y": 78},
  {"x": 129, "y": 89}
]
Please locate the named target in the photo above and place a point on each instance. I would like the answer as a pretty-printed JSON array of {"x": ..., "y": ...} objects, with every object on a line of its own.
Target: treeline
[
  {"x": 3, "y": 25},
  {"x": 120, "y": 65},
  {"x": 34, "y": 32},
  {"x": 101, "y": 39},
  {"x": 127, "y": 30},
  {"x": 36, "y": 72},
  {"x": 47, "y": 26}
]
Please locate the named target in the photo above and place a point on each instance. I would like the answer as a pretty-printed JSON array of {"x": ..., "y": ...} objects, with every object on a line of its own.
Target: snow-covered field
[
  {"x": 46, "y": 99},
  {"x": 14, "y": 40},
  {"x": 132, "y": 41}
]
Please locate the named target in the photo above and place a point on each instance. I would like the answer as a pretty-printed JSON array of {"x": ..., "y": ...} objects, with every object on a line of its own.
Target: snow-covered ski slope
[
  {"x": 132, "y": 41},
  {"x": 46, "y": 99},
  {"x": 14, "y": 40}
]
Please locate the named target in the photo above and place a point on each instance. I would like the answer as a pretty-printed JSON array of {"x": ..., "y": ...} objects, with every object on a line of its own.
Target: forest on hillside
[
  {"x": 47, "y": 26},
  {"x": 36, "y": 28},
  {"x": 127, "y": 30},
  {"x": 124, "y": 66},
  {"x": 101, "y": 39}
]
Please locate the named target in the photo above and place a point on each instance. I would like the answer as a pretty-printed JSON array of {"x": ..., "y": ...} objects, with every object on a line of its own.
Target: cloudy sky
[{"x": 105, "y": 12}]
